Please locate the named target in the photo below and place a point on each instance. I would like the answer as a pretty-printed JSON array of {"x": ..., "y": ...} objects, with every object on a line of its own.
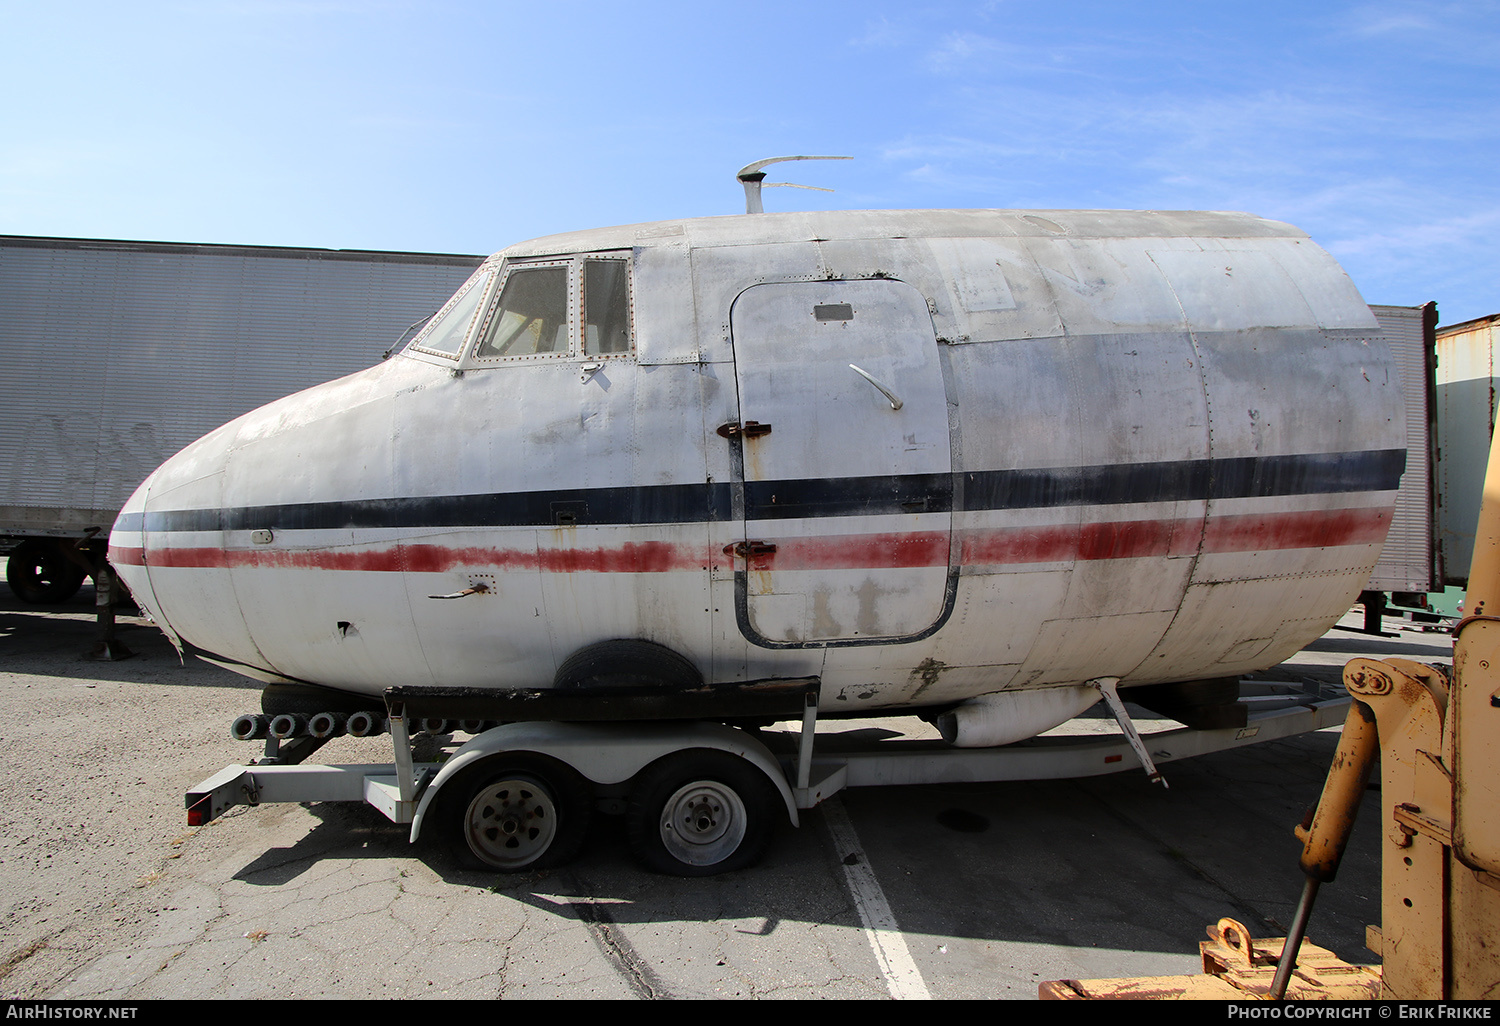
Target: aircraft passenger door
[{"x": 847, "y": 480}]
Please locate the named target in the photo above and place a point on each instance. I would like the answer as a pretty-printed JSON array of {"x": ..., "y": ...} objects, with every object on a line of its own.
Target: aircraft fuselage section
[{"x": 925, "y": 455}]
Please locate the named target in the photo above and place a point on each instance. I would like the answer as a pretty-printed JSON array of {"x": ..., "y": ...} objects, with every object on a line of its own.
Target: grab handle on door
[{"x": 895, "y": 403}]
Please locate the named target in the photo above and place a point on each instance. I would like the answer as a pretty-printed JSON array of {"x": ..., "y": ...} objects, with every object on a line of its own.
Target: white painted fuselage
[{"x": 1006, "y": 451}]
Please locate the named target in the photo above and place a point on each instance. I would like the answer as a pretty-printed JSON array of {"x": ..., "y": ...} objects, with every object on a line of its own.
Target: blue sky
[{"x": 465, "y": 126}]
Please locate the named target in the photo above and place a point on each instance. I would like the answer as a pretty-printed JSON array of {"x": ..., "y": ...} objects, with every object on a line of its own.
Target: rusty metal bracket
[
  {"x": 1412, "y": 821},
  {"x": 749, "y": 549},
  {"x": 750, "y": 429},
  {"x": 1231, "y": 947},
  {"x": 1235, "y": 968},
  {"x": 1481, "y": 617}
]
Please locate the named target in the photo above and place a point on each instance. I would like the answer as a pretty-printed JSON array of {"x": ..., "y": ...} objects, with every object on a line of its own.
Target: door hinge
[{"x": 750, "y": 429}]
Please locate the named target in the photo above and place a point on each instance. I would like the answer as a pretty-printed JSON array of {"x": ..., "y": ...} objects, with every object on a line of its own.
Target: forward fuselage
[{"x": 925, "y": 455}]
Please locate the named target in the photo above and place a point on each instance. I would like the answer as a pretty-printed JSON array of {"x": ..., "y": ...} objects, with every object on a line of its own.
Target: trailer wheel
[
  {"x": 520, "y": 813},
  {"x": 700, "y": 812},
  {"x": 40, "y": 574}
]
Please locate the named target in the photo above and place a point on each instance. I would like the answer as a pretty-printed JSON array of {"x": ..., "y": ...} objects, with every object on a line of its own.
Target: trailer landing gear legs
[{"x": 107, "y": 647}]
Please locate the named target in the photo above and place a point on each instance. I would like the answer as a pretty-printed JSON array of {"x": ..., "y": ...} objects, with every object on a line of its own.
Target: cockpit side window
[
  {"x": 606, "y": 307},
  {"x": 531, "y": 318},
  {"x": 446, "y": 332}
]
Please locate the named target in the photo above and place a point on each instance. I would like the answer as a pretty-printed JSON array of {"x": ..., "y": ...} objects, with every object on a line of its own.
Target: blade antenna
[{"x": 752, "y": 178}]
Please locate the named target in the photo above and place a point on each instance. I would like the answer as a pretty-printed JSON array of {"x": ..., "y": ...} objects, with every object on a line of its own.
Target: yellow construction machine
[{"x": 1438, "y": 743}]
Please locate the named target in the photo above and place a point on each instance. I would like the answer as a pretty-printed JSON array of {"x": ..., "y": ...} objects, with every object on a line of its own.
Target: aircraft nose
[
  {"x": 127, "y": 554},
  {"x": 222, "y": 541},
  {"x": 169, "y": 548}
]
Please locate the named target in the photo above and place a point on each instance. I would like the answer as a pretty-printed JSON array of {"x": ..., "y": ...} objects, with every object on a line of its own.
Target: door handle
[{"x": 895, "y": 403}]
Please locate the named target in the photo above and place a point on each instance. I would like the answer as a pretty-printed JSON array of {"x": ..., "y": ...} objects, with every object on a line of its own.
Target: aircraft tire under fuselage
[
  {"x": 700, "y": 812},
  {"x": 627, "y": 662}
]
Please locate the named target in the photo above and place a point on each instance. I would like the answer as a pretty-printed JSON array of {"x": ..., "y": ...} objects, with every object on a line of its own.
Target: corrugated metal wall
[
  {"x": 1406, "y": 562},
  {"x": 1466, "y": 382},
  {"x": 118, "y": 354}
]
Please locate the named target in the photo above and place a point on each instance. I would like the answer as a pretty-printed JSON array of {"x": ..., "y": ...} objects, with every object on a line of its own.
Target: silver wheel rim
[
  {"x": 511, "y": 822},
  {"x": 703, "y": 823}
]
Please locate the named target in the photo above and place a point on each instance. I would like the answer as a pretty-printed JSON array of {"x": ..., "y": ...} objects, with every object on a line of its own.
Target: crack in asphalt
[
  {"x": 614, "y": 945},
  {"x": 22, "y": 955}
]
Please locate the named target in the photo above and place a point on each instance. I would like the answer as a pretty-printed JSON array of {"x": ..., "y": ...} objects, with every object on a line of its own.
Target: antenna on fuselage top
[{"x": 752, "y": 178}]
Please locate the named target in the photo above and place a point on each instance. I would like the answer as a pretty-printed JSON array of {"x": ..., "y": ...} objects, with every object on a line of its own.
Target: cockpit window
[
  {"x": 447, "y": 331},
  {"x": 606, "y": 307},
  {"x": 575, "y": 306},
  {"x": 532, "y": 316}
]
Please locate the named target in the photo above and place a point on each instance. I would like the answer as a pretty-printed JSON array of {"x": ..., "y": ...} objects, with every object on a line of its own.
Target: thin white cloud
[
  {"x": 1410, "y": 260},
  {"x": 1465, "y": 33},
  {"x": 1372, "y": 23},
  {"x": 1416, "y": 240},
  {"x": 278, "y": 10},
  {"x": 881, "y": 33},
  {"x": 977, "y": 57},
  {"x": 964, "y": 46},
  {"x": 1378, "y": 175}
]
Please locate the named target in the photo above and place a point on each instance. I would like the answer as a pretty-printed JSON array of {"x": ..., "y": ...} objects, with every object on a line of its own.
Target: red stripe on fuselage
[
  {"x": 1126, "y": 539},
  {"x": 631, "y": 557},
  {"x": 1129, "y": 539},
  {"x": 1254, "y": 532},
  {"x": 127, "y": 555}
]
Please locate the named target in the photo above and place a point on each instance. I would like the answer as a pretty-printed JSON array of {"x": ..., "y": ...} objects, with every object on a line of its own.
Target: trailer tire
[
  {"x": 38, "y": 573},
  {"x": 517, "y": 812},
  {"x": 701, "y": 812},
  {"x": 627, "y": 662}
]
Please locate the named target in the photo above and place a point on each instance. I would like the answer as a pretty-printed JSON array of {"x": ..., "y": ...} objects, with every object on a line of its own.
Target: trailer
[
  {"x": 1411, "y": 563},
  {"x": 701, "y": 776},
  {"x": 1466, "y": 382},
  {"x": 121, "y": 353}
]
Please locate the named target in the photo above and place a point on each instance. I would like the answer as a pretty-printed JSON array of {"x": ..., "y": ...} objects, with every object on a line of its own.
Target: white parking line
[{"x": 902, "y": 978}]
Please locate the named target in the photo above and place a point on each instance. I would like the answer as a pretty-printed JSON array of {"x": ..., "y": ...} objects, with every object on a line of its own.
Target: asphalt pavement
[{"x": 953, "y": 891}]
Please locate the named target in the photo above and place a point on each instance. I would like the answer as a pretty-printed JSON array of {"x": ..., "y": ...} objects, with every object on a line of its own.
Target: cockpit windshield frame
[
  {"x": 612, "y": 338},
  {"x": 467, "y": 304},
  {"x": 534, "y": 315}
]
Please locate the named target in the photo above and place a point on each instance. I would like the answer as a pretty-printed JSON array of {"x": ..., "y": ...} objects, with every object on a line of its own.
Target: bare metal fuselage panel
[{"x": 923, "y": 455}]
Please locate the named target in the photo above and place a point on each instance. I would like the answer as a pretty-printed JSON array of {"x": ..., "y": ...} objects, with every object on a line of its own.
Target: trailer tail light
[{"x": 200, "y": 813}]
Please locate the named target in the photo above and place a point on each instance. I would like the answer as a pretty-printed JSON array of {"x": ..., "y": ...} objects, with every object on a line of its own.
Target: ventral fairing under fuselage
[{"x": 924, "y": 455}]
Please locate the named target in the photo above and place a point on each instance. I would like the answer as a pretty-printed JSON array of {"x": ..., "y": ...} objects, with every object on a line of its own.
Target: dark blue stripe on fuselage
[
  {"x": 649, "y": 504},
  {"x": 1237, "y": 478},
  {"x": 1112, "y": 484}
]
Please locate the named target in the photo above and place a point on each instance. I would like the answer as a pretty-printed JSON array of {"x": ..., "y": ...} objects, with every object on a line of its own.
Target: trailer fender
[{"x": 606, "y": 753}]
